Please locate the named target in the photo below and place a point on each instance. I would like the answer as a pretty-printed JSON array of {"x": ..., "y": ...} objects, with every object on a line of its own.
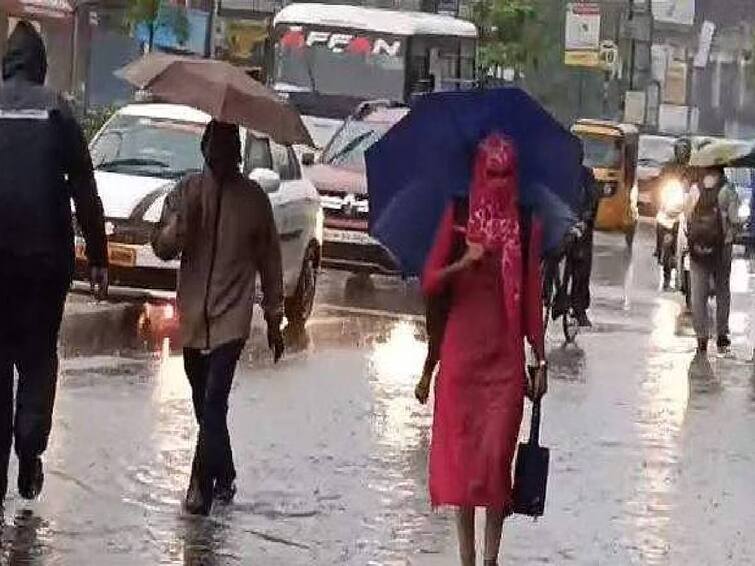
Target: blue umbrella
[{"x": 426, "y": 159}]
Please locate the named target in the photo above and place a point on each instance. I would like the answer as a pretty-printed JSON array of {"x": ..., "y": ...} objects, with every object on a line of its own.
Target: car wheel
[{"x": 300, "y": 305}]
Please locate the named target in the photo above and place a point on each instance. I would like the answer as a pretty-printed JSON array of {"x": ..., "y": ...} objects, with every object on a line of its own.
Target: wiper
[
  {"x": 349, "y": 147},
  {"x": 134, "y": 162},
  {"x": 180, "y": 173}
]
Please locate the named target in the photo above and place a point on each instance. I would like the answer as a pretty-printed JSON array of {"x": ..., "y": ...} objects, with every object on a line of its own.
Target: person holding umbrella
[
  {"x": 495, "y": 303},
  {"x": 222, "y": 226}
]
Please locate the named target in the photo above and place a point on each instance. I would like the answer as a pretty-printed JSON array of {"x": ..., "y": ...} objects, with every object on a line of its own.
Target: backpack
[{"x": 705, "y": 229}]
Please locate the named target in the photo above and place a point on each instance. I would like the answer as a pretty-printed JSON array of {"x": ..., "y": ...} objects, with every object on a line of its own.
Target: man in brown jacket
[{"x": 222, "y": 225}]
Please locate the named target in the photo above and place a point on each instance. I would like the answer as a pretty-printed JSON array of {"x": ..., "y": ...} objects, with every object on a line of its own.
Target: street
[{"x": 652, "y": 456}]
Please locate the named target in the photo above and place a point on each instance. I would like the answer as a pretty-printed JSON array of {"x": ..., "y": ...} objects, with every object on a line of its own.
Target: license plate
[
  {"x": 348, "y": 237},
  {"x": 118, "y": 254}
]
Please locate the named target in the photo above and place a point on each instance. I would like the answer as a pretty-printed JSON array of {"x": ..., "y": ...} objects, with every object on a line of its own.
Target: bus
[{"x": 329, "y": 58}]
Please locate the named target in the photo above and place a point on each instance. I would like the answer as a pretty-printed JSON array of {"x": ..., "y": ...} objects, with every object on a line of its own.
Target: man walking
[
  {"x": 581, "y": 252},
  {"x": 44, "y": 163},
  {"x": 712, "y": 210},
  {"x": 222, "y": 225}
]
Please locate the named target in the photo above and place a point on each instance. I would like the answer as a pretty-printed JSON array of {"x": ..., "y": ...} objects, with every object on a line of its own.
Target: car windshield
[
  {"x": 348, "y": 146},
  {"x": 321, "y": 130},
  {"x": 149, "y": 147},
  {"x": 334, "y": 62},
  {"x": 601, "y": 152},
  {"x": 656, "y": 151}
]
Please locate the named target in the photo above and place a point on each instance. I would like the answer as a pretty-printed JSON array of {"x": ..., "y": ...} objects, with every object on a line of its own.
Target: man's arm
[
  {"x": 168, "y": 235},
  {"x": 78, "y": 168},
  {"x": 270, "y": 267}
]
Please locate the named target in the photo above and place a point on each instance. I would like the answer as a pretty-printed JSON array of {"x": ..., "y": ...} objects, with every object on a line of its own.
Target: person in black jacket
[
  {"x": 44, "y": 164},
  {"x": 581, "y": 252}
]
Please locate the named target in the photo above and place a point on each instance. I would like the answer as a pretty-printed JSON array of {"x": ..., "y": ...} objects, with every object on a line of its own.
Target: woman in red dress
[{"x": 494, "y": 302}]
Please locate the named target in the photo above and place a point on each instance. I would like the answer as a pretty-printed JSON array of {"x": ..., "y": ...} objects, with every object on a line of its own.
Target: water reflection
[
  {"x": 202, "y": 541},
  {"x": 21, "y": 541},
  {"x": 395, "y": 364},
  {"x": 662, "y": 407}
]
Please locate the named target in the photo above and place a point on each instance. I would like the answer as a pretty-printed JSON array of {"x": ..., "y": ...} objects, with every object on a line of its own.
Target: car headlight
[{"x": 672, "y": 195}]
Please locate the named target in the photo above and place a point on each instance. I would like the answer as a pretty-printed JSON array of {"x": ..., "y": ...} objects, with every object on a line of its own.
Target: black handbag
[{"x": 531, "y": 472}]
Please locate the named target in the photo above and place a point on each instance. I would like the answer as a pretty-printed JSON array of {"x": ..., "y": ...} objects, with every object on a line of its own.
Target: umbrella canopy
[
  {"x": 425, "y": 160},
  {"x": 220, "y": 89},
  {"x": 727, "y": 153}
]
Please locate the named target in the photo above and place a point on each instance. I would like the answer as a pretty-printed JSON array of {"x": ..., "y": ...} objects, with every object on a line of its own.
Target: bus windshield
[{"x": 336, "y": 61}]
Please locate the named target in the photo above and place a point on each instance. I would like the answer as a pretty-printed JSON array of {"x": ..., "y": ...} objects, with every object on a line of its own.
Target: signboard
[
  {"x": 165, "y": 36},
  {"x": 582, "y": 34},
  {"x": 675, "y": 87},
  {"x": 660, "y": 56},
  {"x": 707, "y": 30},
  {"x": 674, "y": 119},
  {"x": 679, "y": 12},
  {"x": 582, "y": 26},
  {"x": 634, "y": 107},
  {"x": 240, "y": 39}
]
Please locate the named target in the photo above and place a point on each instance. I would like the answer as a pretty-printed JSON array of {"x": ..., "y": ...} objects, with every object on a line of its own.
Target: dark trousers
[
  {"x": 581, "y": 259},
  {"x": 210, "y": 376},
  {"x": 32, "y": 298}
]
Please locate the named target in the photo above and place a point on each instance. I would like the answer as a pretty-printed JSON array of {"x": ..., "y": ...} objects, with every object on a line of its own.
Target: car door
[
  {"x": 260, "y": 155},
  {"x": 306, "y": 210},
  {"x": 293, "y": 195}
]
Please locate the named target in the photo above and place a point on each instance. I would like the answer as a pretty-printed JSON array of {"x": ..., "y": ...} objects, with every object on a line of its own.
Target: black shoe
[
  {"x": 225, "y": 492},
  {"x": 198, "y": 501},
  {"x": 702, "y": 345},
  {"x": 723, "y": 343},
  {"x": 31, "y": 478},
  {"x": 583, "y": 320}
]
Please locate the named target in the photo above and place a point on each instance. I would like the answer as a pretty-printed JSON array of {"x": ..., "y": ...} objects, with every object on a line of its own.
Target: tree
[
  {"x": 155, "y": 15},
  {"x": 503, "y": 27}
]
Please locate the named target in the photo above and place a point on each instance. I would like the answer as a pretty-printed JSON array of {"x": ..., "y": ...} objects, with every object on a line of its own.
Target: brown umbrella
[{"x": 221, "y": 90}]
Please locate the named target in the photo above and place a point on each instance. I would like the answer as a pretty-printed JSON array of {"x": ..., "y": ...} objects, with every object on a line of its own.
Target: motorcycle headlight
[{"x": 672, "y": 194}]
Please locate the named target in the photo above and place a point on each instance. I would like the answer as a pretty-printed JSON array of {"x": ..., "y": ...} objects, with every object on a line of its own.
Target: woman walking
[{"x": 494, "y": 298}]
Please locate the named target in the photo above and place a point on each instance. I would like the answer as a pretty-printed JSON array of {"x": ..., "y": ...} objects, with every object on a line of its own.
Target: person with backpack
[{"x": 712, "y": 209}]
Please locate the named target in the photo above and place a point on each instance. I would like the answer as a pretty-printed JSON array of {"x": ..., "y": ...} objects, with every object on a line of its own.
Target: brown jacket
[{"x": 221, "y": 254}]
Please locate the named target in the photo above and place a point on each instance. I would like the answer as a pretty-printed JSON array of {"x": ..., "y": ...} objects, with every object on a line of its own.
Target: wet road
[{"x": 652, "y": 456}]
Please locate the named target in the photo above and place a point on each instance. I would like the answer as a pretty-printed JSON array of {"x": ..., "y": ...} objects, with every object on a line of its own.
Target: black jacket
[
  {"x": 44, "y": 163},
  {"x": 590, "y": 197}
]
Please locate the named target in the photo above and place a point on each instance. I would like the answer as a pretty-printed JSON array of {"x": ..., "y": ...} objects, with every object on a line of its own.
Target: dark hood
[
  {"x": 25, "y": 55},
  {"x": 221, "y": 147}
]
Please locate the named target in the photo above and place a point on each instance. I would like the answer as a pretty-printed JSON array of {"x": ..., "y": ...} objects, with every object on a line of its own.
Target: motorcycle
[{"x": 669, "y": 227}]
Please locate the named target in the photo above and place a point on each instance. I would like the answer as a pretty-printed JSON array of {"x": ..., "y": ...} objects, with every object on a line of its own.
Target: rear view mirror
[
  {"x": 268, "y": 179},
  {"x": 308, "y": 159}
]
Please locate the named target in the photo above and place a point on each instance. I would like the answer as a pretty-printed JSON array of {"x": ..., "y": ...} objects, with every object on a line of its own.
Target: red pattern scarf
[{"x": 494, "y": 217}]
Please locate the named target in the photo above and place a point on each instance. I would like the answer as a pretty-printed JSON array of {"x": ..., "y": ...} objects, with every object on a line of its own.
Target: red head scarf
[{"x": 494, "y": 217}]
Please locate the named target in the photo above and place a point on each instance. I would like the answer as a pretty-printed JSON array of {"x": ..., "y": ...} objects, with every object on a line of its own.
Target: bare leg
[
  {"x": 465, "y": 531},
  {"x": 493, "y": 531}
]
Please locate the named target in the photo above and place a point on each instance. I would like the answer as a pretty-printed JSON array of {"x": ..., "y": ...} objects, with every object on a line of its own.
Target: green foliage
[
  {"x": 94, "y": 118},
  {"x": 504, "y": 27},
  {"x": 155, "y": 14}
]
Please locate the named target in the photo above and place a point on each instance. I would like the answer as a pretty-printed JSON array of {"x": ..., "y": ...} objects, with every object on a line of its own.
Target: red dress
[{"x": 479, "y": 392}]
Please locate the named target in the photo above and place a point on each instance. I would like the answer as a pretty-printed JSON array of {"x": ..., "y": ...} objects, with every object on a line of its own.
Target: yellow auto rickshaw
[{"x": 611, "y": 150}]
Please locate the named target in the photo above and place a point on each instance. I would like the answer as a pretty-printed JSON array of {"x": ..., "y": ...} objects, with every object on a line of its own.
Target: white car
[{"x": 140, "y": 154}]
